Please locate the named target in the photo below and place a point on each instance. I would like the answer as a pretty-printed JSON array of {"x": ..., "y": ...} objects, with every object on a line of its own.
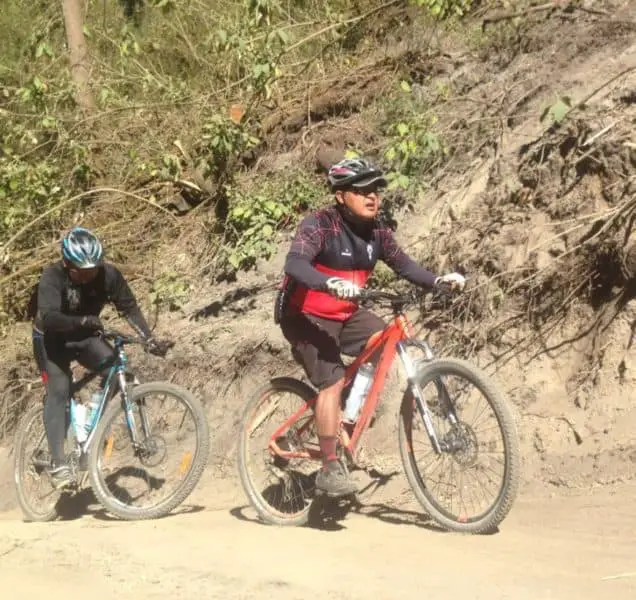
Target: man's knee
[
  {"x": 97, "y": 356},
  {"x": 58, "y": 387}
]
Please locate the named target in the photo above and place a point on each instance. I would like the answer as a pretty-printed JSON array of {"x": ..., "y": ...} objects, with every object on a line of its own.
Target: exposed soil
[
  {"x": 578, "y": 547},
  {"x": 541, "y": 214}
]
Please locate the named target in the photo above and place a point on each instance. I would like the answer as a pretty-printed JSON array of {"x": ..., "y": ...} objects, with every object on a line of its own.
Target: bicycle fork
[
  {"x": 128, "y": 410},
  {"x": 411, "y": 372}
]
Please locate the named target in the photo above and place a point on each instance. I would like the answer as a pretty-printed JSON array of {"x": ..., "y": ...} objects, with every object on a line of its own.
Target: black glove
[
  {"x": 158, "y": 348},
  {"x": 92, "y": 322}
]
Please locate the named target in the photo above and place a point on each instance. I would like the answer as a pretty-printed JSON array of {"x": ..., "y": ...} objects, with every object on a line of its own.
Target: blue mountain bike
[{"x": 140, "y": 421}]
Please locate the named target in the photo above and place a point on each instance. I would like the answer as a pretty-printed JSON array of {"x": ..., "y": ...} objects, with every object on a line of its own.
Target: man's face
[
  {"x": 81, "y": 276},
  {"x": 362, "y": 202}
]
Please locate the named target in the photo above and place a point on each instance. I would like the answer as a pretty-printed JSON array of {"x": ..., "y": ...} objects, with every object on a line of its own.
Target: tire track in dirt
[{"x": 565, "y": 548}]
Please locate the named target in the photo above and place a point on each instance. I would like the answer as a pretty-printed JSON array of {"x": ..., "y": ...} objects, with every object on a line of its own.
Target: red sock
[{"x": 328, "y": 449}]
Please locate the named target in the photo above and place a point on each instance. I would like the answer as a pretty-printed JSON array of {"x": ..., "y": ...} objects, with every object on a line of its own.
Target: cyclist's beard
[{"x": 358, "y": 224}]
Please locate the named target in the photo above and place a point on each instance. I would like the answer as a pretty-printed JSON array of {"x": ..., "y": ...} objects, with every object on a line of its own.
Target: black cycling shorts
[{"x": 317, "y": 343}]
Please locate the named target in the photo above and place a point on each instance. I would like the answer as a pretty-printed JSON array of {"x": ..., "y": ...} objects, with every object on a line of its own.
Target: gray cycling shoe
[
  {"x": 61, "y": 477},
  {"x": 334, "y": 481}
]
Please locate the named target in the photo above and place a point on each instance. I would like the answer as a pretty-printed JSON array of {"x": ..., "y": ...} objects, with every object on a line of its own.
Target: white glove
[
  {"x": 454, "y": 280},
  {"x": 342, "y": 288}
]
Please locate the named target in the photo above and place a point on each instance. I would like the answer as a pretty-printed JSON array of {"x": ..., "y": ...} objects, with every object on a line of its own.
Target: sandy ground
[{"x": 576, "y": 547}]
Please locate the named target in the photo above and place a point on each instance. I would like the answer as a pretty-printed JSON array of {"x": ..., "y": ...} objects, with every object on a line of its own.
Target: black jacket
[{"x": 58, "y": 304}]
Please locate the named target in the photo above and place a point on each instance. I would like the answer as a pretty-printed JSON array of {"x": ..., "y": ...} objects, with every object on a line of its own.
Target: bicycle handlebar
[
  {"x": 114, "y": 335},
  {"x": 401, "y": 299}
]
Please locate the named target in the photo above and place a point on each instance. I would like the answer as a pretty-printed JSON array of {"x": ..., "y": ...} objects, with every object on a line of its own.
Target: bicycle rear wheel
[
  {"x": 281, "y": 491},
  {"x": 36, "y": 496},
  {"x": 136, "y": 485},
  {"x": 486, "y": 446}
]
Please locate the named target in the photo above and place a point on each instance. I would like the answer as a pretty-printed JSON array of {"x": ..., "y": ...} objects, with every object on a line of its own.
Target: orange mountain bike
[{"x": 278, "y": 436}]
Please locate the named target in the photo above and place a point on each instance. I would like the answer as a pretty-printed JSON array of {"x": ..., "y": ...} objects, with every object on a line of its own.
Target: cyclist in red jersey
[{"x": 331, "y": 257}]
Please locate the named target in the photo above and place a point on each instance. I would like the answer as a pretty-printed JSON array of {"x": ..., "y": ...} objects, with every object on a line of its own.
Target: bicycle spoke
[
  {"x": 282, "y": 488},
  {"x": 142, "y": 477},
  {"x": 467, "y": 479}
]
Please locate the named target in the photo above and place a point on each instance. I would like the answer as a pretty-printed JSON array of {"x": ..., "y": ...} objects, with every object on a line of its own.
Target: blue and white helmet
[{"x": 82, "y": 249}]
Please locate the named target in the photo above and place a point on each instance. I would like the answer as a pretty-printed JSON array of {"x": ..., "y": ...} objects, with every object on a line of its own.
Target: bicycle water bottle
[
  {"x": 78, "y": 420},
  {"x": 91, "y": 417},
  {"x": 359, "y": 389}
]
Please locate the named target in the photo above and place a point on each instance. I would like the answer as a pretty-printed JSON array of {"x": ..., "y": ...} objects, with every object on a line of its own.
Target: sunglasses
[
  {"x": 367, "y": 190},
  {"x": 83, "y": 274}
]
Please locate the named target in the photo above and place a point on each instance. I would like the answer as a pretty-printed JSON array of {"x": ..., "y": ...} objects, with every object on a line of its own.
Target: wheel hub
[
  {"x": 461, "y": 443},
  {"x": 153, "y": 451}
]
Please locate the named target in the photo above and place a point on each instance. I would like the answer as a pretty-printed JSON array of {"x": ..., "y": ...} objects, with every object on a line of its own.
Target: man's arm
[
  {"x": 120, "y": 294},
  {"x": 402, "y": 263},
  {"x": 306, "y": 245},
  {"x": 49, "y": 304}
]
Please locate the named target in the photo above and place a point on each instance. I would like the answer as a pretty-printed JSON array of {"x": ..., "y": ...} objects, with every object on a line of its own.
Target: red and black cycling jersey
[{"x": 326, "y": 245}]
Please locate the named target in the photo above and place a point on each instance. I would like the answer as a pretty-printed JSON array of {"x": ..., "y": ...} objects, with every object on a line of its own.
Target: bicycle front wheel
[
  {"x": 150, "y": 479},
  {"x": 471, "y": 485}
]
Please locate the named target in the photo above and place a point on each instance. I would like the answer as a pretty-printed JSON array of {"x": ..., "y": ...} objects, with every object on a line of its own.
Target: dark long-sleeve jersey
[
  {"x": 326, "y": 245},
  {"x": 61, "y": 304}
]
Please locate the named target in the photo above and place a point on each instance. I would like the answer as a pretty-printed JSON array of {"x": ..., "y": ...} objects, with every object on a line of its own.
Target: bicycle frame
[
  {"x": 116, "y": 377},
  {"x": 394, "y": 339}
]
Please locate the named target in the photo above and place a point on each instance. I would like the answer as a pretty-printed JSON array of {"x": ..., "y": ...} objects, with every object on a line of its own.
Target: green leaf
[
  {"x": 268, "y": 230},
  {"x": 405, "y": 86},
  {"x": 234, "y": 260},
  {"x": 402, "y": 129},
  {"x": 559, "y": 110}
]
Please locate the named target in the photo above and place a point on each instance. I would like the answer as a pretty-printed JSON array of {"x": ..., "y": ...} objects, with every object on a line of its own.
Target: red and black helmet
[{"x": 352, "y": 173}]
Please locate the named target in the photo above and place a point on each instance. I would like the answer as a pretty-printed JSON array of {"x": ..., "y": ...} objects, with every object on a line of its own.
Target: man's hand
[
  {"x": 342, "y": 288},
  {"x": 454, "y": 281},
  {"x": 92, "y": 322},
  {"x": 158, "y": 348}
]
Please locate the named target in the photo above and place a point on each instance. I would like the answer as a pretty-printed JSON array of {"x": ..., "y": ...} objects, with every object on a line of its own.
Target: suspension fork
[
  {"x": 128, "y": 408},
  {"x": 411, "y": 372}
]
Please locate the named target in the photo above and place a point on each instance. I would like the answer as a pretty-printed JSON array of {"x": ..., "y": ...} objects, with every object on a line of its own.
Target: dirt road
[{"x": 575, "y": 547}]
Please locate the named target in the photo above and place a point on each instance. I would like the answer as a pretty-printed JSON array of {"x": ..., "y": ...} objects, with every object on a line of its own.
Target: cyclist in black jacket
[{"x": 68, "y": 301}]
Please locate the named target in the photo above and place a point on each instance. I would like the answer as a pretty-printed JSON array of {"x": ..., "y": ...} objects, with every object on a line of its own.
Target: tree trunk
[{"x": 78, "y": 52}]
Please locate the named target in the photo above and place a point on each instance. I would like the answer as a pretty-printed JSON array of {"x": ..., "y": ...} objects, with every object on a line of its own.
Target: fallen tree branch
[
  {"x": 351, "y": 21},
  {"x": 555, "y": 4},
  {"x": 577, "y": 435},
  {"x": 57, "y": 207},
  {"x": 521, "y": 13}
]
